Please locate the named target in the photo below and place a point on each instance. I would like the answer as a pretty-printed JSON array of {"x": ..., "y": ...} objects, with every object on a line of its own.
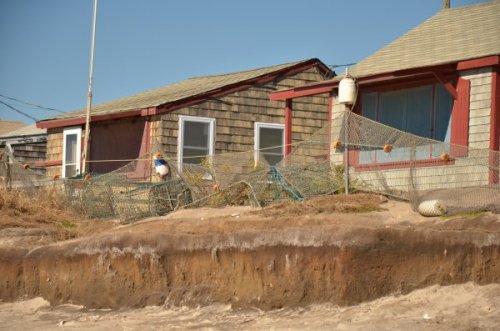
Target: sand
[
  {"x": 457, "y": 307},
  {"x": 462, "y": 306}
]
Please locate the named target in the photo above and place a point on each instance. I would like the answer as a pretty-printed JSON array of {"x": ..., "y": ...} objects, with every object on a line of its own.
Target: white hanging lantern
[{"x": 348, "y": 90}]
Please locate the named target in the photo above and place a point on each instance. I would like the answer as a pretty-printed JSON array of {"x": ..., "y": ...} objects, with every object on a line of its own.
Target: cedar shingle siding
[
  {"x": 236, "y": 113},
  {"x": 54, "y": 149}
]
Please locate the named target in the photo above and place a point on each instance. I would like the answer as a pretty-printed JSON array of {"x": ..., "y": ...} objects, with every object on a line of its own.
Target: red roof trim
[
  {"x": 81, "y": 120},
  {"x": 479, "y": 63},
  {"x": 297, "y": 93},
  {"x": 318, "y": 88},
  {"x": 324, "y": 87}
]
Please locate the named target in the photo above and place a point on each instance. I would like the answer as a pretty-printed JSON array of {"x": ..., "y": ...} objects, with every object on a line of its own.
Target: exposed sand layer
[
  {"x": 284, "y": 256},
  {"x": 456, "y": 307}
]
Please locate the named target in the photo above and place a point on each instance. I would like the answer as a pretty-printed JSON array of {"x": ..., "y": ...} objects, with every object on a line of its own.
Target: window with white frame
[
  {"x": 423, "y": 111},
  {"x": 269, "y": 142},
  {"x": 196, "y": 139},
  {"x": 71, "y": 151}
]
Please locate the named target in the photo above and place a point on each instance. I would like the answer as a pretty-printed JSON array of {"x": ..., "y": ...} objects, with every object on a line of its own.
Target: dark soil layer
[{"x": 322, "y": 259}]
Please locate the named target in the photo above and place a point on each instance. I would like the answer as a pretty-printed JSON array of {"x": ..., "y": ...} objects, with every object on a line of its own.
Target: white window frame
[
  {"x": 180, "y": 137},
  {"x": 67, "y": 132},
  {"x": 257, "y": 127}
]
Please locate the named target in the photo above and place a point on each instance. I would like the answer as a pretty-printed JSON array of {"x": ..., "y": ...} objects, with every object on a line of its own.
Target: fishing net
[
  {"x": 381, "y": 159},
  {"x": 23, "y": 176},
  {"x": 131, "y": 192},
  {"x": 392, "y": 162}
]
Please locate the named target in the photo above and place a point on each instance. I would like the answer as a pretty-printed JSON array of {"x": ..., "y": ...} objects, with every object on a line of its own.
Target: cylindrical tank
[
  {"x": 347, "y": 90},
  {"x": 432, "y": 208}
]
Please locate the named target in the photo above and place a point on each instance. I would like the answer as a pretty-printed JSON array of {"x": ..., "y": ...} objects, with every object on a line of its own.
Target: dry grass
[
  {"x": 340, "y": 203},
  {"x": 48, "y": 210}
]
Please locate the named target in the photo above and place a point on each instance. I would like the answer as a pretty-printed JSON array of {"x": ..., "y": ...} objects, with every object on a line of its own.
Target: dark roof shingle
[{"x": 452, "y": 35}]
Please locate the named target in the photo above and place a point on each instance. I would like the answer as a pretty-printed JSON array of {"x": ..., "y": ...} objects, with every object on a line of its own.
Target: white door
[{"x": 72, "y": 150}]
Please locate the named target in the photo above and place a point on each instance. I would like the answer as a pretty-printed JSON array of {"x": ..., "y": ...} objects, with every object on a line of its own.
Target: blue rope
[{"x": 278, "y": 179}]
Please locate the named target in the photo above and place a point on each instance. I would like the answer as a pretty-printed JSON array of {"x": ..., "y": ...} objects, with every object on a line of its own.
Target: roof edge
[
  {"x": 173, "y": 105},
  {"x": 329, "y": 85}
]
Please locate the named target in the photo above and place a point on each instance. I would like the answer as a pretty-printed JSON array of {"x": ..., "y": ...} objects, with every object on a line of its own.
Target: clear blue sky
[{"x": 140, "y": 45}]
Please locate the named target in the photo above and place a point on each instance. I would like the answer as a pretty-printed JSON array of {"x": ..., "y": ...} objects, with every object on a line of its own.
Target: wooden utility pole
[{"x": 89, "y": 94}]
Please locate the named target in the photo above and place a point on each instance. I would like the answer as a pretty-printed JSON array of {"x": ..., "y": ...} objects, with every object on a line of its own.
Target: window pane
[
  {"x": 271, "y": 140},
  {"x": 272, "y": 159},
  {"x": 194, "y": 155},
  {"x": 271, "y": 137},
  {"x": 396, "y": 155},
  {"x": 419, "y": 111},
  {"x": 392, "y": 109},
  {"x": 196, "y": 134},
  {"x": 367, "y": 155},
  {"x": 369, "y": 103},
  {"x": 71, "y": 140},
  {"x": 443, "y": 114}
]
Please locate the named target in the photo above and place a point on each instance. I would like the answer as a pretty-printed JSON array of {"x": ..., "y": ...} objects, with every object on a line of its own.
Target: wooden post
[
  {"x": 330, "y": 119},
  {"x": 288, "y": 126},
  {"x": 346, "y": 149}
]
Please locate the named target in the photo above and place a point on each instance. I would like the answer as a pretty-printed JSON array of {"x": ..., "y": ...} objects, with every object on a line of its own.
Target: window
[
  {"x": 423, "y": 111},
  {"x": 71, "y": 152},
  {"x": 196, "y": 139},
  {"x": 270, "y": 142}
]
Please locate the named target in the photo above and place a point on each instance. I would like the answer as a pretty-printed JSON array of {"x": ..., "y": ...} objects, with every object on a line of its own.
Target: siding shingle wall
[
  {"x": 480, "y": 106},
  {"x": 236, "y": 113}
]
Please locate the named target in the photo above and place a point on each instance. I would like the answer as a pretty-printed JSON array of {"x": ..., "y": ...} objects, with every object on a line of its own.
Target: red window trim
[
  {"x": 460, "y": 114},
  {"x": 402, "y": 164},
  {"x": 46, "y": 164}
]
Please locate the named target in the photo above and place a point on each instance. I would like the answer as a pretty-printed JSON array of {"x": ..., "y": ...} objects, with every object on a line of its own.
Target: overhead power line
[
  {"x": 31, "y": 104},
  {"x": 18, "y": 111},
  {"x": 332, "y": 66}
]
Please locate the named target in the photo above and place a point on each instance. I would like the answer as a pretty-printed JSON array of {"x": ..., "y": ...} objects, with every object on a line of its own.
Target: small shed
[{"x": 26, "y": 144}]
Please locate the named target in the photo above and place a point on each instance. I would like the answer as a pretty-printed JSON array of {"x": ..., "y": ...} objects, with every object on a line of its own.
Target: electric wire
[
  {"x": 32, "y": 104},
  {"x": 19, "y": 111},
  {"x": 332, "y": 66}
]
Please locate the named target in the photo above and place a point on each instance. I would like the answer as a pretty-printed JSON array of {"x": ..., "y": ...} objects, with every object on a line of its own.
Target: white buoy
[
  {"x": 347, "y": 90},
  {"x": 432, "y": 208}
]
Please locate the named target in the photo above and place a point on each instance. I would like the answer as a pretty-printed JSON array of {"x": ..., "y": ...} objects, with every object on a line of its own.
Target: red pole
[
  {"x": 494, "y": 128},
  {"x": 288, "y": 126},
  {"x": 330, "y": 115}
]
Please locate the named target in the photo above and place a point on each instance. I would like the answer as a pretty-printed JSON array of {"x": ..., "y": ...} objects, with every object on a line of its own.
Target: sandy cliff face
[{"x": 268, "y": 262}]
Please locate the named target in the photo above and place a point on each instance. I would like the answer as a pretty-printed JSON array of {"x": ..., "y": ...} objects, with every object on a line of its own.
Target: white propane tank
[{"x": 347, "y": 90}]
